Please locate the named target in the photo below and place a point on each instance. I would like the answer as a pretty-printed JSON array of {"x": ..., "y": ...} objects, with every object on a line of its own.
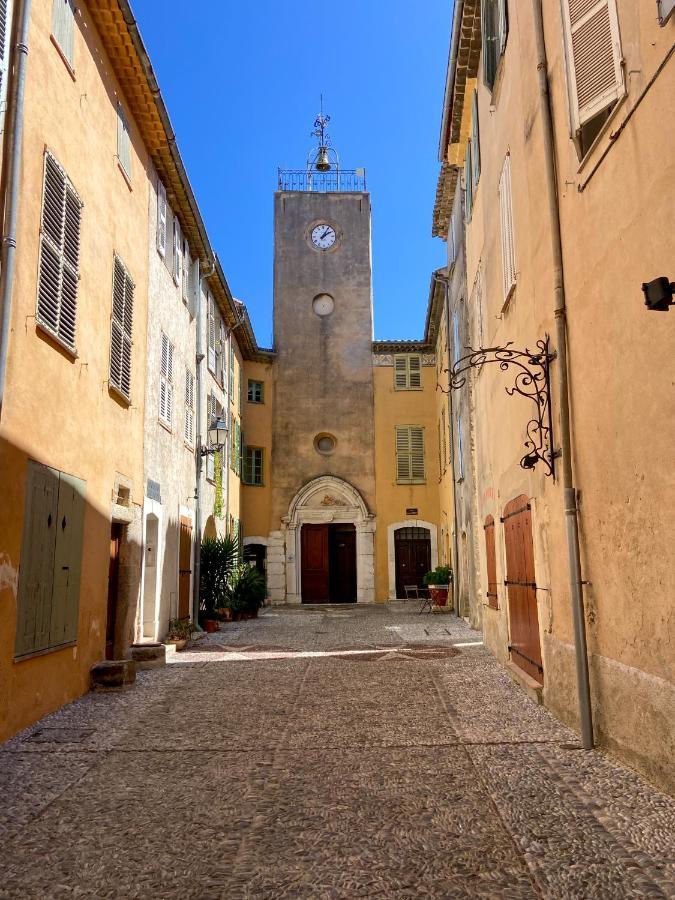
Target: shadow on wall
[{"x": 69, "y": 581}]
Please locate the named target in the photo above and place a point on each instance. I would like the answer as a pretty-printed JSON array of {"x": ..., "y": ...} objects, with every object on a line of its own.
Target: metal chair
[
  {"x": 425, "y": 596},
  {"x": 412, "y": 592}
]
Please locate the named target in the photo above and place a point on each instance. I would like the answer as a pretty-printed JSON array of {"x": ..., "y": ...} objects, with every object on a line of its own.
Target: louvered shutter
[
  {"x": 59, "y": 254},
  {"x": 665, "y": 8},
  {"x": 231, "y": 374},
  {"x": 468, "y": 183},
  {"x": 187, "y": 267},
  {"x": 503, "y": 24},
  {"x": 5, "y": 40},
  {"x": 189, "y": 407},
  {"x": 177, "y": 251},
  {"x": 475, "y": 144},
  {"x": 403, "y": 470},
  {"x": 417, "y": 453},
  {"x": 211, "y": 414},
  {"x": 506, "y": 212},
  {"x": 165, "y": 381},
  {"x": 63, "y": 27},
  {"x": 161, "y": 219},
  {"x": 400, "y": 373},
  {"x": 593, "y": 56},
  {"x": 414, "y": 372},
  {"x": 121, "y": 329},
  {"x": 211, "y": 334},
  {"x": 123, "y": 140},
  {"x": 67, "y": 560}
]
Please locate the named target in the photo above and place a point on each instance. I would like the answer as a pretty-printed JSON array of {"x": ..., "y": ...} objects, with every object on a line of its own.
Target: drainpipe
[
  {"x": 10, "y": 178},
  {"x": 569, "y": 491},
  {"x": 228, "y": 439},
  {"x": 450, "y": 80},
  {"x": 443, "y": 279},
  {"x": 198, "y": 444}
]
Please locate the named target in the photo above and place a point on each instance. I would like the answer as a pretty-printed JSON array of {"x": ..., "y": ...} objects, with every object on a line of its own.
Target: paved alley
[{"x": 334, "y": 752}]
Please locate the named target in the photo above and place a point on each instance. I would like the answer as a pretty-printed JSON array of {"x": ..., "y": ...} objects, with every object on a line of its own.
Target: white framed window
[
  {"x": 166, "y": 382},
  {"x": 63, "y": 28},
  {"x": 507, "y": 232},
  {"x": 256, "y": 391},
  {"x": 253, "y": 466},
  {"x": 211, "y": 335},
  {"x": 59, "y": 272},
  {"x": 410, "y": 454},
  {"x": 189, "y": 408},
  {"x": 161, "y": 219},
  {"x": 594, "y": 72},
  {"x": 123, "y": 141},
  {"x": 121, "y": 322},
  {"x": 408, "y": 372}
]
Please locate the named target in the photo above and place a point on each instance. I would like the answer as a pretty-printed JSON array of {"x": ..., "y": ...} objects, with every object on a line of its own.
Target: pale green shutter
[
  {"x": 414, "y": 372},
  {"x": 475, "y": 144},
  {"x": 123, "y": 141},
  {"x": 402, "y": 453},
  {"x": 400, "y": 372},
  {"x": 63, "y": 27},
  {"x": 67, "y": 560},
  {"x": 468, "y": 183},
  {"x": 417, "y": 453},
  {"x": 36, "y": 568}
]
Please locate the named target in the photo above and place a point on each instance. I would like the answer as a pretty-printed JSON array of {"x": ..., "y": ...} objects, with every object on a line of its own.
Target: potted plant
[
  {"x": 246, "y": 593},
  {"x": 438, "y": 583},
  {"x": 218, "y": 561},
  {"x": 179, "y": 633}
]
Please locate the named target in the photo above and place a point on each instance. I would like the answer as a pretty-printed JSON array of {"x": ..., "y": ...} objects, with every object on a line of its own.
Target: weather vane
[{"x": 323, "y": 158}]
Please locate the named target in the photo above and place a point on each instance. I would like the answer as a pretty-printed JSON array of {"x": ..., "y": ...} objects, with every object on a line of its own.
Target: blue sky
[{"x": 242, "y": 84}]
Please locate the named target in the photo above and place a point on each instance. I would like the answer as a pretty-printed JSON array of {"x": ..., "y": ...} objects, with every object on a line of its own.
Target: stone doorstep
[
  {"x": 532, "y": 688},
  {"x": 150, "y": 655},
  {"x": 113, "y": 674}
]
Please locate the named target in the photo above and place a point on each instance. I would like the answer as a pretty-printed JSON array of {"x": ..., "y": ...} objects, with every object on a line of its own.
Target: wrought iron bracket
[{"x": 532, "y": 381}]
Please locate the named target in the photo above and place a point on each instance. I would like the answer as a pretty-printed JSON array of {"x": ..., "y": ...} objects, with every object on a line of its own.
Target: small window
[
  {"x": 256, "y": 391},
  {"x": 189, "y": 408},
  {"x": 59, "y": 273},
  {"x": 408, "y": 372},
  {"x": 63, "y": 28},
  {"x": 166, "y": 382},
  {"x": 506, "y": 212},
  {"x": 410, "y": 454},
  {"x": 123, "y": 141},
  {"x": 120, "y": 329},
  {"x": 161, "y": 219},
  {"x": 494, "y": 30},
  {"x": 253, "y": 466}
]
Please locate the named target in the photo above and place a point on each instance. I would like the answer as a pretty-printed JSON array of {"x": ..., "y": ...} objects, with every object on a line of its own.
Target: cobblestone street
[{"x": 335, "y": 752}]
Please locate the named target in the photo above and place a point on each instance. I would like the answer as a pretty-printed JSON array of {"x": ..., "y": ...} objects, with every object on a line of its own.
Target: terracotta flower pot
[
  {"x": 225, "y": 613},
  {"x": 439, "y": 594},
  {"x": 178, "y": 643},
  {"x": 210, "y": 625}
]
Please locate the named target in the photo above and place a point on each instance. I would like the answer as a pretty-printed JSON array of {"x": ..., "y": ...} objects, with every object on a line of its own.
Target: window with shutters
[
  {"x": 507, "y": 232},
  {"x": 410, "y": 454},
  {"x": 187, "y": 269},
  {"x": 123, "y": 141},
  {"x": 211, "y": 335},
  {"x": 236, "y": 455},
  {"x": 256, "y": 391},
  {"x": 161, "y": 219},
  {"x": 63, "y": 28},
  {"x": 166, "y": 382},
  {"x": 230, "y": 383},
  {"x": 59, "y": 274},
  {"x": 213, "y": 411},
  {"x": 177, "y": 264},
  {"x": 460, "y": 447},
  {"x": 444, "y": 443},
  {"x": 189, "y": 408},
  {"x": 475, "y": 146},
  {"x": 594, "y": 71},
  {"x": 407, "y": 372},
  {"x": 253, "y": 465},
  {"x": 665, "y": 8},
  {"x": 491, "y": 559},
  {"x": 468, "y": 184},
  {"x": 494, "y": 31},
  {"x": 51, "y": 561},
  {"x": 5, "y": 52},
  {"x": 121, "y": 322}
]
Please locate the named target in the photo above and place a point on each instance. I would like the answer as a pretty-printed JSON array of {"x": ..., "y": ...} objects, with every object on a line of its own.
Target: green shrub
[
  {"x": 247, "y": 590},
  {"x": 179, "y": 630},
  {"x": 219, "y": 560},
  {"x": 440, "y": 575}
]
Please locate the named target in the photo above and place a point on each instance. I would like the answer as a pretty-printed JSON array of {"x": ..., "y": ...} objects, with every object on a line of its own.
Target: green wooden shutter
[
  {"x": 417, "y": 471},
  {"x": 63, "y": 27},
  {"x": 400, "y": 372},
  {"x": 402, "y": 453},
  {"x": 414, "y": 372},
  {"x": 468, "y": 183},
  {"x": 67, "y": 560},
  {"x": 475, "y": 144},
  {"x": 36, "y": 569}
]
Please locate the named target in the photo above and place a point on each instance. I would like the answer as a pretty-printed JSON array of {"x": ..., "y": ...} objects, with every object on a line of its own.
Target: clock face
[
  {"x": 323, "y": 236},
  {"x": 323, "y": 305}
]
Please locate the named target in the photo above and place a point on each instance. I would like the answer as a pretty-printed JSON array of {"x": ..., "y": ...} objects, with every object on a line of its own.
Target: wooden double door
[
  {"x": 412, "y": 557},
  {"x": 328, "y": 563}
]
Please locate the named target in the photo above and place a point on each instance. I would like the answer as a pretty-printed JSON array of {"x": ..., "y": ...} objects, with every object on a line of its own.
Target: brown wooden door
[
  {"x": 113, "y": 581},
  {"x": 184, "y": 570},
  {"x": 314, "y": 564},
  {"x": 521, "y": 588},
  {"x": 342, "y": 563},
  {"x": 491, "y": 558},
  {"x": 412, "y": 557}
]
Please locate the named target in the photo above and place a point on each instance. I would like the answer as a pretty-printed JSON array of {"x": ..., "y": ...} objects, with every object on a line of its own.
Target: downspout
[
  {"x": 199, "y": 358},
  {"x": 569, "y": 491},
  {"x": 450, "y": 80},
  {"x": 228, "y": 439},
  {"x": 10, "y": 177}
]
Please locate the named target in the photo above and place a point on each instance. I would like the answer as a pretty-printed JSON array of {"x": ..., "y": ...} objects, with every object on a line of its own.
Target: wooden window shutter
[
  {"x": 166, "y": 381},
  {"x": 121, "y": 328},
  {"x": 665, "y": 8},
  {"x": 468, "y": 183},
  {"x": 211, "y": 414},
  {"x": 475, "y": 144},
  {"x": 415, "y": 372},
  {"x": 211, "y": 334},
  {"x": 189, "y": 408},
  {"x": 410, "y": 454},
  {"x": 161, "y": 219},
  {"x": 506, "y": 213},
  {"x": 63, "y": 27},
  {"x": 503, "y": 24},
  {"x": 593, "y": 57},
  {"x": 400, "y": 372},
  {"x": 5, "y": 53},
  {"x": 67, "y": 560},
  {"x": 123, "y": 140},
  {"x": 491, "y": 558},
  {"x": 36, "y": 568},
  {"x": 177, "y": 250},
  {"x": 417, "y": 470},
  {"x": 59, "y": 254},
  {"x": 230, "y": 384},
  {"x": 403, "y": 471},
  {"x": 187, "y": 268}
]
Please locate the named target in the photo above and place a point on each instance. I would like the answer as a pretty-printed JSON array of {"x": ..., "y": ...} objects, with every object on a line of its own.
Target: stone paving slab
[{"x": 246, "y": 769}]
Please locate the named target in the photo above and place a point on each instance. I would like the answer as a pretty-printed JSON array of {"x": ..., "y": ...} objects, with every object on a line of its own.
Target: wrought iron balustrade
[{"x": 335, "y": 180}]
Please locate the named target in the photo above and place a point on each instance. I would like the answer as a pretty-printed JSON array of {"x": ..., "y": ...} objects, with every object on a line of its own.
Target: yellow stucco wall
[
  {"x": 256, "y": 500},
  {"x": 402, "y": 408},
  {"x": 58, "y": 410},
  {"x": 445, "y": 484}
]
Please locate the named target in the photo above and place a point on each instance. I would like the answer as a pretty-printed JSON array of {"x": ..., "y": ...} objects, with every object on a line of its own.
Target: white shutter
[
  {"x": 166, "y": 381},
  {"x": 121, "y": 329},
  {"x": 211, "y": 334},
  {"x": 475, "y": 145},
  {"x": 63, "y": 27},
  {"x": 503, "y": 25},
  {"x": 177, "y": 250},
  {"x": 123, "y": 140},
  {"x": 187, "y": 267},
  {"x": 161, "y": 219},
  {"x": 506, "y": 213},
  {"x": 5, "y": 53},
  {"x": 193, "y": 299},
  {"x": 189, "y": 407},
  {"x": 59, "y": 254},
  {"x": 665, "y": 8},
  {"x": 593, "y": 56}
]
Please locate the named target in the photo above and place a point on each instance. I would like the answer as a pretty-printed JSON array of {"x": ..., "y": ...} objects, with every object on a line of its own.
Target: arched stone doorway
[
  {"x": 406, "y": 525},
  {"x": 329, "y": 501}
]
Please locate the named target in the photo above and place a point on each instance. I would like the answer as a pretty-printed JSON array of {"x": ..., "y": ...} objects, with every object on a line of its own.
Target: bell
[{"x": 322, "y": 162}]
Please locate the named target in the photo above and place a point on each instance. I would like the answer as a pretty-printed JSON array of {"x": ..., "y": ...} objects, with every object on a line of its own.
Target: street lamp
[{"x": 217, "y": 437}]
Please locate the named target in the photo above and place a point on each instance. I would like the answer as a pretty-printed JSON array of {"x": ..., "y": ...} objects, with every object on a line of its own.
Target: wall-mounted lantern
[
  {"x": 217, "y": 437},
  {"x": 659, "y": 293}
]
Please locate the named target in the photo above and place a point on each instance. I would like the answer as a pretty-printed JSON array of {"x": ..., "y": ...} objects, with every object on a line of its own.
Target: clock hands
[{"x": 327, "y": 231}]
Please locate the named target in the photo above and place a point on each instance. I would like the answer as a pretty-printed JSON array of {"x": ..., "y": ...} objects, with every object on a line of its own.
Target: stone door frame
[{"x": 391, "y": 550}]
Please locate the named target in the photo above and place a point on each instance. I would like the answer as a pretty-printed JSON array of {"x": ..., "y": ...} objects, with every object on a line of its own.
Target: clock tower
[{"x": 323, "y": 467}]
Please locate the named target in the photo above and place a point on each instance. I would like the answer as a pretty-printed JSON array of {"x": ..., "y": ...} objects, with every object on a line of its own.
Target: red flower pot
[
  {"x": 210, "y": 625},
  {"x": 439, "y": 594}
]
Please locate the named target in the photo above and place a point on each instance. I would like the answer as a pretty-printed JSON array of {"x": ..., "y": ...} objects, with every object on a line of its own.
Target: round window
[
  {"x": 323, "y": 305},
  {"x": 324, "y": 443}
]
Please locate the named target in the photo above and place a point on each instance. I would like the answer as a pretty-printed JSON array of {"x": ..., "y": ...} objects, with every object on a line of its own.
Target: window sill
[
  {"x": 119, "y": 395},
  {"x": 52, "y": 335},
  {"x": 125, "y": 174},
  {"x": 253, "y": 484},
  {"x": 32, "y": 654},
  {"x": 509, "y": 297},
  {"x": 585, "y": 160},
  {"x": 189, "y": 447},
  {"x": 165, "y": 425},
  {"x": 256, "y": 402},
  {"x": 400, "y": 390},
  {"x": 406, "y": 482},
  {"x": 64, "y": 58}
]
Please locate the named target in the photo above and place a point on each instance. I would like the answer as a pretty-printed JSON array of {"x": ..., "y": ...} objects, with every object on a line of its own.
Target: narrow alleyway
[{"x": 267, "y": 763}]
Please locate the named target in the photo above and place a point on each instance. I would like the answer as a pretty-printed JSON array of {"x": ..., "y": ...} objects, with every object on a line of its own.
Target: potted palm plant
[
  {"x": 218, "y": 563},
  {"x": 438, "y": 583}
]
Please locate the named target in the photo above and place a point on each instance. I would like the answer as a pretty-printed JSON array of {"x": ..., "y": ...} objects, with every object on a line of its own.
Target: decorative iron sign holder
[{"x": 532, "y": 381}]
